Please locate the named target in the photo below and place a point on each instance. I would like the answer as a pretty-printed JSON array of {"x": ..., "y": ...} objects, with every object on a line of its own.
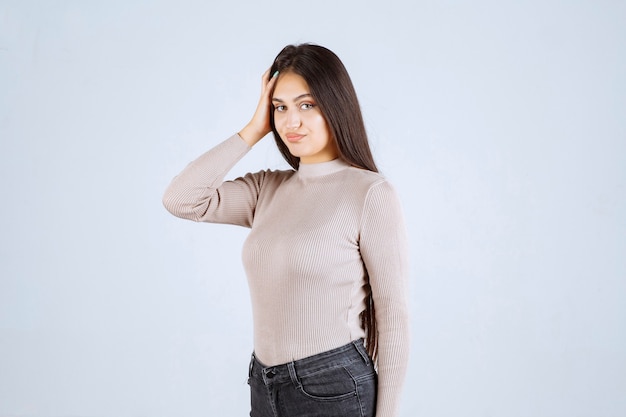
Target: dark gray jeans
[{"x": 340, "y": 382}]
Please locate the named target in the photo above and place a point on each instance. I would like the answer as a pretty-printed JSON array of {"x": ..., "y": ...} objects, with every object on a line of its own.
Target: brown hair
[{"x": 332, "y": 89}]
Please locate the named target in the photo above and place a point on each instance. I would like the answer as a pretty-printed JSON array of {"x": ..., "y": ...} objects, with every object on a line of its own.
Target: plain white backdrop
[{"x": 502, "y": 125}]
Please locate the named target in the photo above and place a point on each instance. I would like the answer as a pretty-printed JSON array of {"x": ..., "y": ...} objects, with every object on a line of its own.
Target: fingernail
[{"x": 275, "y": 74}]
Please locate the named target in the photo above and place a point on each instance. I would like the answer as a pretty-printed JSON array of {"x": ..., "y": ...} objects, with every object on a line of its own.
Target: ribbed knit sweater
[{"x": 318, "y": 236}]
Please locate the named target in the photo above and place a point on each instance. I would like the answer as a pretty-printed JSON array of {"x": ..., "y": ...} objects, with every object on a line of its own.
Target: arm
[
  {"x": 384, "y": 251},
  {"x": 199, "y": 192}
]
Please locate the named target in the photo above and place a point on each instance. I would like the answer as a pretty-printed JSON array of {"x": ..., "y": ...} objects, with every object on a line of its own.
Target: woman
[{"x": 326, "y": 257}]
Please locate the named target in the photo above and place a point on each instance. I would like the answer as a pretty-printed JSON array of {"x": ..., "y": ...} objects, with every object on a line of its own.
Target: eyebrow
[{"x": 301, "y": 96}]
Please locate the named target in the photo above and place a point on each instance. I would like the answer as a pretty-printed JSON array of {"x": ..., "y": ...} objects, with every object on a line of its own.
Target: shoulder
[
  {"x": 269, "y": 177},
  {"x": 372, "y": 190},
  {"x": 278, "y": 174},
  {"x": 382, "y": 213},
  {"x": 377, "y": 193},
  {"x": 368, "y": 181}
]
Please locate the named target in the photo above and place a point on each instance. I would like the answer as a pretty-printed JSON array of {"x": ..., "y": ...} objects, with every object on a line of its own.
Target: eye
[
  {"x": 306, "y": 106},
  {"x": 279, "y": 108}
]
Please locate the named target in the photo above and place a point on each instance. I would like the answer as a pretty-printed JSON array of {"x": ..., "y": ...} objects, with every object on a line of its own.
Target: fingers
[
  {"x": 265, "y": 78},
  {"x": 273, "y": 79},
  {"x": 269, "y": 81}
]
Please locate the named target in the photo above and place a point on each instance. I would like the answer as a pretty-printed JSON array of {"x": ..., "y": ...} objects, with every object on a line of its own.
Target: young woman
[{"x": 326, "y": 257}]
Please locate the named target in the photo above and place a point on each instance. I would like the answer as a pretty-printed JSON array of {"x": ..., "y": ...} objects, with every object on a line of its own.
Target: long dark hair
[{"x": 332, "y": 89}]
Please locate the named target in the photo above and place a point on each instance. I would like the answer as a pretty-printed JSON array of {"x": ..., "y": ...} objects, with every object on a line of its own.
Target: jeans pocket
[{"x": 329, "y": 385}]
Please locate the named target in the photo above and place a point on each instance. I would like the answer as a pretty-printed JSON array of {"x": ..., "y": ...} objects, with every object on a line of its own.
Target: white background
[{"x": 502, "y": 125}]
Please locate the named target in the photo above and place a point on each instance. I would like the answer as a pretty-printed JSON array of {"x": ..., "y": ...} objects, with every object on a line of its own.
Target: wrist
[{"x": 251, "y": 135}]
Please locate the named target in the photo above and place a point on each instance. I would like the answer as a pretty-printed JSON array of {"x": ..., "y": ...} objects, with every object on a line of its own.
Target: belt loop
[
  {"x": 358, "y": 345},
  {"x": 292, "y": 373}
]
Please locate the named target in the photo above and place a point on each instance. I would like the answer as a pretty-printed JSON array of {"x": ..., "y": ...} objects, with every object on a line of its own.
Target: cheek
[{"x": 318, "y": 121}]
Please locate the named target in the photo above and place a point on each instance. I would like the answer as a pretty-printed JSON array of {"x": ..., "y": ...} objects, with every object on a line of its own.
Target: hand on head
[{"x": 259, "y": 126}]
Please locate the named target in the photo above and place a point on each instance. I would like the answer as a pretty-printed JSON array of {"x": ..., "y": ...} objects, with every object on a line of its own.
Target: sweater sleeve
[
  {"x": 384, "y": 250},
  {"x": 199, "y": 192}
]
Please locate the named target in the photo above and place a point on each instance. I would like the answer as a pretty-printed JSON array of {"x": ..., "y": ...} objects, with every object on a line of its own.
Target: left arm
[{"x": 384, "y": 250}]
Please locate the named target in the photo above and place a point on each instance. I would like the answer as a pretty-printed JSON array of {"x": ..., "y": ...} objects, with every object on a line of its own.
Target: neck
[{"x": 322, "y": 168}]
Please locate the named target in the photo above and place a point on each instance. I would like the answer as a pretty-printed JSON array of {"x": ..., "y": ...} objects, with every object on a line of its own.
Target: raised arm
[{"x": 199, "y": 192}]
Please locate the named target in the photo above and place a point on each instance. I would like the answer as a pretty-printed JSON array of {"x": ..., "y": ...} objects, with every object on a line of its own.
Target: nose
[{"x": 293, "y": 120}]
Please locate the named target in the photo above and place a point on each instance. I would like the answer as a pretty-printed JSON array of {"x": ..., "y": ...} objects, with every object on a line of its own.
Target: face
[{"x": 300, "y": 122}]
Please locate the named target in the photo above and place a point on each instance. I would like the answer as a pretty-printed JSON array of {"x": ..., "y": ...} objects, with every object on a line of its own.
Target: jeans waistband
[{"x": 353, "y": 351}]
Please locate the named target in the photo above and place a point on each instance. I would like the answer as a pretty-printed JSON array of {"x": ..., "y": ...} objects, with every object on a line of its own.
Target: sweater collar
[{"x": 321, "y": 168}]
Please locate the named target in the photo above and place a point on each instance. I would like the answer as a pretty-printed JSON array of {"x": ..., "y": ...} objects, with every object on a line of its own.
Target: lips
[{"x": 293, "y": 137}]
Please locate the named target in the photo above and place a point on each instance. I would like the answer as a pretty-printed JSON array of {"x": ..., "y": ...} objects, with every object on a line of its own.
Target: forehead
[{"x": 290, "y": 85}]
